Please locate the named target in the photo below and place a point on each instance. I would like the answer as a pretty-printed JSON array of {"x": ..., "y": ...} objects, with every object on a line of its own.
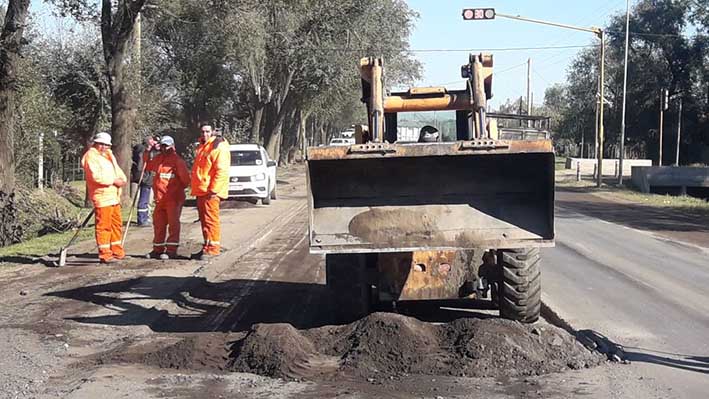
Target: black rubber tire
[
  {"x": 520, "y": 289},
  {"x": 267, "y": 200},
  {"x": 346, "y": 280}
]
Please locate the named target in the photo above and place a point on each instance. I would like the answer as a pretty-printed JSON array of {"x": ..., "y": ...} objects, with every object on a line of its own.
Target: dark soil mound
[
  {"x": 494, "y": 347},
  {"x": 275, "y": 350},
  {"x": 203, "y": 352},
  {"x": 379, "y": 346},
  {"x": 385, "y": 344}
]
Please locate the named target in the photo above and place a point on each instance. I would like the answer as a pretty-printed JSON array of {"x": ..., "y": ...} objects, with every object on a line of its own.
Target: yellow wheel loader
[{"x": 434, "y": 220}]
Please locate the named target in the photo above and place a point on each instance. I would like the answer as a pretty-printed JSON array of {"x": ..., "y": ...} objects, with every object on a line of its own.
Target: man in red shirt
[{"x": 169, "y": 183}]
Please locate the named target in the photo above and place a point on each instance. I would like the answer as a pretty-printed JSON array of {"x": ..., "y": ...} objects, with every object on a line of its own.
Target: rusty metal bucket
[{"x": 438, "y": 196}]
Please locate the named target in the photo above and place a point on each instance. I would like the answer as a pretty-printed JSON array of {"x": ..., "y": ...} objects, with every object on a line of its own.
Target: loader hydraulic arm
[{"x": 472, "y": 100}]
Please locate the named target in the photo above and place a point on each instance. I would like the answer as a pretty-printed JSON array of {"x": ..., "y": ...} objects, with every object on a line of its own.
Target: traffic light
[
  {"x": 665, "y": 99},
  {"x": 472, "y": 14}
]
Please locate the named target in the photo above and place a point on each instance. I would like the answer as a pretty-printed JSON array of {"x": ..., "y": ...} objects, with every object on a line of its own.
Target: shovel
[{"x": 63, "y": 251}]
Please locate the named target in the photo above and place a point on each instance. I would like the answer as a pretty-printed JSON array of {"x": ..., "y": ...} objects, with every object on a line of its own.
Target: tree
[
  {"x": 10, "y": 45},
  {"x": 117, "y": 26}
]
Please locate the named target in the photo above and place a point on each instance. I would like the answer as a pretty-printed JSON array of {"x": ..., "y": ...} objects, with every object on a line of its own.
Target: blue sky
[{"x": 441, "y": 26}]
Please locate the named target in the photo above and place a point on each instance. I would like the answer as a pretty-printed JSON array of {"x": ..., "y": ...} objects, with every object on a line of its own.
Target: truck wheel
[
  {"x": 346, "y": 279},
  {"x": 273, "y": 192},
  {"x": 520, "y": 289}
]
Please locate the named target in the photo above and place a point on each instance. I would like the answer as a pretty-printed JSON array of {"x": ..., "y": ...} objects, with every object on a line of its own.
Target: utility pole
[
  {"x": 601, "y": 129},
  {"x": 679, "y": 131},
  {"x": 138, "y": 50},
  {"x": 664, "y": 103},
  {"x": 625, "y": 92},
  {"x": 529, "y": 89},
  {"x": 40, "y": 162},
  {"x": 582, "y": 138},
  {"x": 595, "y": 122}
]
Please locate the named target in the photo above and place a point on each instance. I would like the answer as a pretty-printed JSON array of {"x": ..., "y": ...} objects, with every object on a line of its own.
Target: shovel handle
[
  {"x": 81, "y": 227},
  {"x": 132, "y": 205}
]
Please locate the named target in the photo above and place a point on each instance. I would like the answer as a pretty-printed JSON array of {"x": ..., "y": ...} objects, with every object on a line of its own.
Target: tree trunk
[
  {"x": 256, "y": 116},
  {"x": 117, "y": 34},
  {"x": 123, "y": 119},
  {"x": 10, "y": 43}
]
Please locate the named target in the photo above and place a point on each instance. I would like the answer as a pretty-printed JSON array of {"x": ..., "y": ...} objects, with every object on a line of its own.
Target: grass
[
  {"x": 697, "y": 206},
  {"x": 559, "y": 163},
  {"x": 45, "y": 245},
  {"x": 52, "y": 243}
]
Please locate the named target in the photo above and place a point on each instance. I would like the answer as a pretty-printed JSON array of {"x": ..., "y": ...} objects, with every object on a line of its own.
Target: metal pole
[
  {"x": 537, "y": 21},
  {"x": 679, "y": 131},
  {"x": 40, "y": 162},
  {"x": 625, "y": 92},
  {"x": 600, "y": 112},
  {"x": 595, "y": 122},
  {"x": 662, "y": 123},
  {"x": 582, "y": 139},
  {"x": 529, "y": 88}
]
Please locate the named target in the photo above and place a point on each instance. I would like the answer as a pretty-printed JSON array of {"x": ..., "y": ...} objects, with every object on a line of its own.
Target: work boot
[
  {"x": 108, "y": 261},
  {"x": 201, "y": 255},
  {"x": 153, "y": 255},
  {"x": 168, "y": 255}
]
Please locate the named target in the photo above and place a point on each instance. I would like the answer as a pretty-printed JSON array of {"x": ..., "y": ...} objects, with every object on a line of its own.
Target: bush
[
  {"x": 10, "y": 225},
  {"x": 43, "y": 212}
]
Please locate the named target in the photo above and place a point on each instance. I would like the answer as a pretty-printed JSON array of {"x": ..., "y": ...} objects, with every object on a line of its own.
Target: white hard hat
[
  {"x": 103, "y": 138},
  {"x": 167, "y": 140}
]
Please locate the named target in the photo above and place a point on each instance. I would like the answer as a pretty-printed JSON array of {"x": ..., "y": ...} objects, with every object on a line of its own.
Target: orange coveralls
[
  {"x": 171, "y": 179},
  {"x": 210, "y": 184},
  {"x": 101, "y": 171}
]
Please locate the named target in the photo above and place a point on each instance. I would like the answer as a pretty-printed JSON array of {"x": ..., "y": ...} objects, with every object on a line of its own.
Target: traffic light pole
[{"x": 601, "y": 35}]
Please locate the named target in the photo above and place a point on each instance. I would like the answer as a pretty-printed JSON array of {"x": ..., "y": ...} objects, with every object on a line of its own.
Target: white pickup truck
[{"x": 252, "y": 175}]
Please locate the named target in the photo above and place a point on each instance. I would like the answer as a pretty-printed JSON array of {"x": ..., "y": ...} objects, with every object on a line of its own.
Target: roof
[{"x": 244, "y": 147}]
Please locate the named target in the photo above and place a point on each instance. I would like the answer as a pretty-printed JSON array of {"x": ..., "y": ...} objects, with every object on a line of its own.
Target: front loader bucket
[{"x": 440, "y": 196}]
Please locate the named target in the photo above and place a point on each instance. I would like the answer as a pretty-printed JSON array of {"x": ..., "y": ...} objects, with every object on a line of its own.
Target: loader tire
[
  {"x": 346, "y": 279},
  {"x": 520, "y": 288}
]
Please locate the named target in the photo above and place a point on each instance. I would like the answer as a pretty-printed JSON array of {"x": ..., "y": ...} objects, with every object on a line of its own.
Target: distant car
[
  {"x": 252, "y": 175},
  {"x": 337, "y": 141}
]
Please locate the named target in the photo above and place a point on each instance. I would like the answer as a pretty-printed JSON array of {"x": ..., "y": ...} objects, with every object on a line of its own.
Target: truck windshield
[{"x": 244, "y": 158}]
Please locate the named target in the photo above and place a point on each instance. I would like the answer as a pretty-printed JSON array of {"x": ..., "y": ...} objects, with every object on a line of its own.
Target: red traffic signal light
[{"x": 471, "y": 14}]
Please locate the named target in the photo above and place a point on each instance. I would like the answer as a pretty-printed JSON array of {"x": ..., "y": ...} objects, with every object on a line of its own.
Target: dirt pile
[
  {"x": 383, "y": 345},
  {"x": 277, "y": 350},
  {"x": 201, "y": 352}
]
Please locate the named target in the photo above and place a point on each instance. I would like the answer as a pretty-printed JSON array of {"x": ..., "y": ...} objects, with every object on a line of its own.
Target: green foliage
[{"x": 663, "y": 55}]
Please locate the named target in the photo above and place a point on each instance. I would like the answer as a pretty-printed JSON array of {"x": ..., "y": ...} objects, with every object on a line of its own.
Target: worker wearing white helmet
[{"x": 104, "y": 181}]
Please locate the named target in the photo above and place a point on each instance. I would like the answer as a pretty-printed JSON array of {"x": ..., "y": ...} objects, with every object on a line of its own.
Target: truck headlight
[{"x": 260, "y": 177}]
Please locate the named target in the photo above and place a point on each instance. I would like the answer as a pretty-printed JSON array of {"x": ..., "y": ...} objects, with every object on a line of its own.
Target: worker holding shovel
[
  {"x": 169, "y": 182},
  {"x": 104, "y": 181}
]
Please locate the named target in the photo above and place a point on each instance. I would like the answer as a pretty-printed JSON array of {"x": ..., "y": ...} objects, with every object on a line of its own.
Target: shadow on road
[
  {"x": 232, "y": 306},
  {"x": 638, "y": 216},
  {"x": 696, "y": 364},
  {"x": 617, "y": 352},
  {"x": 201, "y": 305}
]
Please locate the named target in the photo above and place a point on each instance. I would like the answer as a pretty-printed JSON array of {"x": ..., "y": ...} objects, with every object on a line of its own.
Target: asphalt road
[{"x": 646, "y": 292}]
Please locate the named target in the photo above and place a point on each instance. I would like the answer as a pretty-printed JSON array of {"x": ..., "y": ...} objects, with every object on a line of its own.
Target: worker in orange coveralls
[
  {"x": 210, "y": 184},
  {"x": 104, "y": 181},
  {"x": 169, "y": 182}
]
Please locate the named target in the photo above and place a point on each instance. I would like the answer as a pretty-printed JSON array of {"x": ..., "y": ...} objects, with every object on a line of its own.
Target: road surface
[{"x": 644, "y": 290}]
